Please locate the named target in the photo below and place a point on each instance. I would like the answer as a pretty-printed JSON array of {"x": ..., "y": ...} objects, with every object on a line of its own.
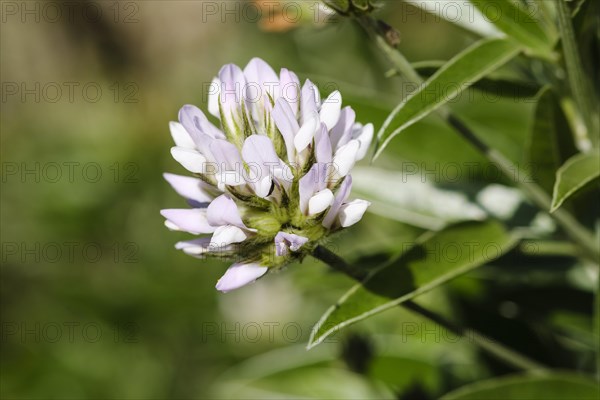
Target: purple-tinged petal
[
  {"x": 311, "y": 183},
  {"x": 341, "y": 133},
  {"x": 287, "y": 124},
  {"x": 189, "y": 220},
  {"x": 284, "y": 175},
  {"x": 288, "y": 241},
  {"x": 200, "y": 129},
  {"x": 223, "y": 211},
  {"x": 259, "y": 153},
  {"x": 229, "y": 163},
  {"x": 181, "y": 136},
  {"x": 259, "y": 150},
  {"x": 233, "y": 85},
  {"x": 258, "y": 71},
  {"x": 226, "y": 154},
  {"x": 190, "y": 188},
  {"x": 340, "y": 197},
  {"x": 352, "y": 212},
  {"x": 195, "y": 122},
  {"x": 239, "y": 275},
  {"x": 290, "y": 90},
  {"x": 331, "y": 109},
  {"x": 323, "y": 152}
]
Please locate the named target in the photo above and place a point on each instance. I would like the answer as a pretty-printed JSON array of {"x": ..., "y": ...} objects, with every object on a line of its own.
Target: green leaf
[
  {"x": 517, "y": 22},
  {"x": 459, "y": 13},
  {"x": 551, "y": 387},
  {"x": 458, "y": 74},
  {"x": 433, "y": 260},
  {"x": 577, "y": 173},
  {"x": 551, "y": 141},
  {"x": 499, "y": 86}
]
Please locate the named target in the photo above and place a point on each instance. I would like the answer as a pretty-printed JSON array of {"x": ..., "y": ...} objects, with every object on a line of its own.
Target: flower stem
[
  {"x": 494, "y": 348},
  {"x": 578, "y": 233},
  {"x": 576, "y": 75}
]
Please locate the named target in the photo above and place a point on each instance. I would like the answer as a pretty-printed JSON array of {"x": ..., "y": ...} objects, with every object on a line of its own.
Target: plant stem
[
  {"x": 576, "y": 75},
  {"x": 494, "y": 348},
  {"x": 580, "y": 235}
]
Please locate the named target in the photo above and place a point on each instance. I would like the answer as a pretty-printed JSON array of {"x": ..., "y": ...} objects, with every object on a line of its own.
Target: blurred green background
[{"x": 97, "y": 303}]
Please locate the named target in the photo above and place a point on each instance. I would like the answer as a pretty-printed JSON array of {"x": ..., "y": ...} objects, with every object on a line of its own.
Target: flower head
[{"x": 272, "y": 180}]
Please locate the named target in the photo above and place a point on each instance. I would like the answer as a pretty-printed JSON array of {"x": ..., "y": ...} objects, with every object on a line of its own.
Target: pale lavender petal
[
  {"x": 200, "y": 129},
  {"x": 223, "y": 211},
  {"x": 310, "y": 101},
  {"x": 259, "y": 150},
  {"x": 341, "y": 133},
  {"x": 226, "y": 154},
  {"x": 290, "y": 90},
  {"x": 239, "y": 275},
  {"x": 284, "y": 175},
  {"x": 189, "y": 220},
  {"x": 259, "y": 153},
  {"x": 323, "y": 152},
  {"x": 285, "y": 241},
  {"x": 195, "y": 122},
  {"x": 233, "y": 85},
  {"x": 258, "y": 71},
  {"x": 228, "y": 161},
  {"x": 340, "y": 197},
  {"x": 190, "y": 188},
  {"x": 287, "y": 124},
  {"x": 311, "y": 183}
]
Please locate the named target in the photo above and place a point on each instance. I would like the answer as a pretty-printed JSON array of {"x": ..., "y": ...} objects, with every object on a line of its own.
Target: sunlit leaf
[
  {"x": 551, "y": 387},
  {"x": 459, "y": 13},
  {"x": 419, "y": 201},
  {"x": 576, "y": 174},
  {"x": 518, "y": 22},
  {"x": 458, "y": 74},
  {"x": 432, "y": 261}
]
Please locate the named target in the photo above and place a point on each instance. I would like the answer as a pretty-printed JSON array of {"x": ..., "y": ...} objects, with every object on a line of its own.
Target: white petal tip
[
  {"x": 320, "y": 202},
  {"x": 352, "y": 212},
  {"x": 239, "y": 275}
]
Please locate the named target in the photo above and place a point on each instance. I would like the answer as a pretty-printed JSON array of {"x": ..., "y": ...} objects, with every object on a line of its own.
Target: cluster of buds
[{"x": 272, "y": 180}]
